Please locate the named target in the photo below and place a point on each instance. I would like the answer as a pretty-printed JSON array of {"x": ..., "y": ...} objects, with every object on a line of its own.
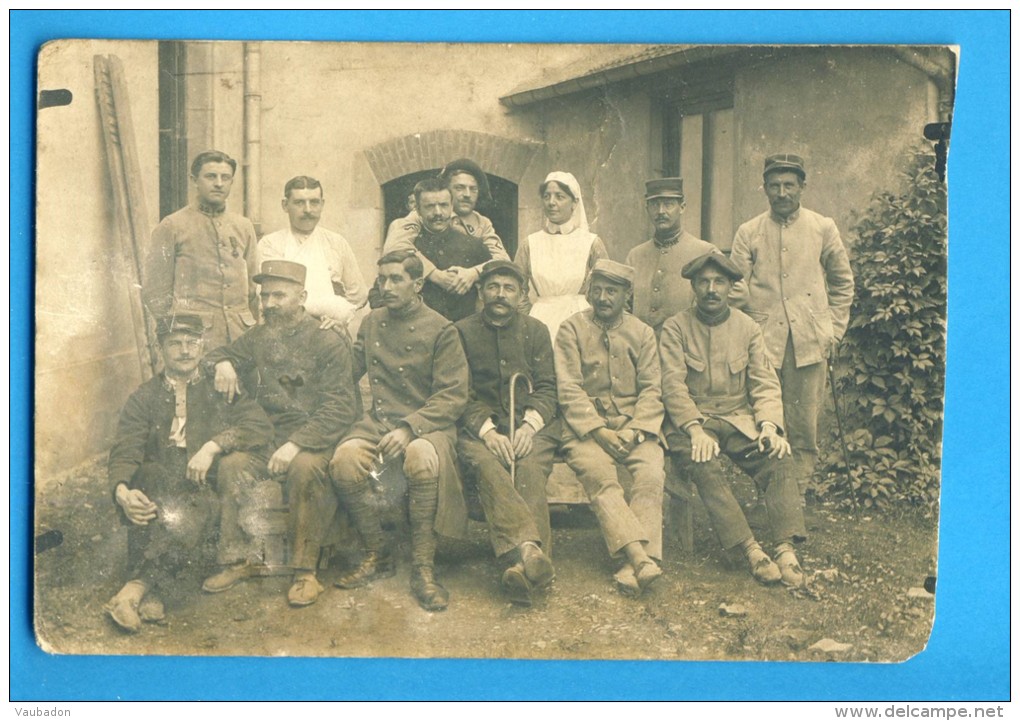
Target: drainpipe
[{"x": 253, "y": 135}]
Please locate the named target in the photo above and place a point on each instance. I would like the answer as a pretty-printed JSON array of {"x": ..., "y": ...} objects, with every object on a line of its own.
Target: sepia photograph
[{"x": 481, "y": 350}]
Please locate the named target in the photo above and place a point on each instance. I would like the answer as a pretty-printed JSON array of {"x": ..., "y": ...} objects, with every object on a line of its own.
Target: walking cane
[
  {"x": 513, "y": 426},
  {"x": 839, "y": 420}
]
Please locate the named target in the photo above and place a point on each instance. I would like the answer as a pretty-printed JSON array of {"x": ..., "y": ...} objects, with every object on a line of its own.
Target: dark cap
[
  {"x": 179, "y": 323},
  {"x": 466, "y": 165},
  {"x": 504, "y": 267},
  {"x": 282, "y": 270},
  {"x": 616, "y": 272},
  {"x": 719, "y": 260},
  {"x": 785, "y": 161},
  {"x": 664, "y": 188}
]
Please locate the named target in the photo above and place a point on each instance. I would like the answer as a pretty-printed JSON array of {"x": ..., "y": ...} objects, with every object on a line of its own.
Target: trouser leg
[
  {"x": 532, "y": 477},
  {"x": 596, "y": 471},
  {"x": 158, "y": 551},
  {"x": 777, "y": 478},
  {"x": 421, "y": 467},
  {"x": 507, "y": 514},
  {"x": 235, "y": 476},
  {"x": 313, "y": 503},
  {"x": 356, "y": 491},
  {"x": 646, "y": 464},
  {"x": 724, "y": 511},
  {"x": 803, "y": 391}
]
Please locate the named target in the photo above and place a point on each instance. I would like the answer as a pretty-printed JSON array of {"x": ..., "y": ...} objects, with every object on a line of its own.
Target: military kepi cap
[
  {"x": 282, "y": 270},
  {"x": 664, "y": 188},
  {"x": 720, "y": 261},
  {"x": 785, "y": 161},
  {"x": 501, "y": 266},
  {"x": 179, "y": 323},
  {"x": 617, "y": 272}
]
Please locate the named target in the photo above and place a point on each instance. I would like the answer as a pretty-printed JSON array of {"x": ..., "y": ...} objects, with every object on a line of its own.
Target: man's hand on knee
[
  {"x": 703, "y": 446},
  {"x": 611, "y": 443},
  {"x": 280, "y": 461},
  {"x": 500, "y": 446},
  {"x": 136, "y": 505},
  {"x": 201, "y": 462},
  {"x": 395, "y": 442},
  {"x": 524, "y": 439}
]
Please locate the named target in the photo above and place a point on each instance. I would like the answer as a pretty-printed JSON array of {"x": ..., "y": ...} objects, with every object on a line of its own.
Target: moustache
[{"x": 712, "y": 296}]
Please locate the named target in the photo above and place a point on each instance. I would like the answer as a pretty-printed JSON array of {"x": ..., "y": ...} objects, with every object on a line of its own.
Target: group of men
[{"x": 456, "y": 396}]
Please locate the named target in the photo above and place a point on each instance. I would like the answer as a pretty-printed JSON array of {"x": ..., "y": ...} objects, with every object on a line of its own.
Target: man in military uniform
[
  {"x": 302, "y": 377},
  {"x": 419, "y": 381},
  {"x": 799, "y": 289},
  {"x": 447, "y": 249},
  {"x": 722, "y": 396},
  {"x": 202, "y": 258},
  {"x": 335, "y": 287},
  {"x": 500, "y": 344},
  {"x": 658, "y": 291},
  {"x": 469, "y": 188},
  {"x": 607, "y": 369},
  {"x": 177, "y": 438}
]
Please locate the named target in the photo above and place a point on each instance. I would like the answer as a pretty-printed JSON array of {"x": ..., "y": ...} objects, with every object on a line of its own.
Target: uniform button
[
  {"x": 654, "y": 309},
  {"x": 383, "y": 324},
  {"x": 401, "y": 369},
  {"x": 659, "y": 271},
  {"x": 786, "y": 275},
  {"x": 784, "y": 250},
  {"x": 411, "y": 329},
  {"x": 375, "y": 361},
  {"x": 377, "y": 344},
  {"x": 406, "y": 347},
  {"x": 502, "y": 361},
  {"x": 442, "y": 253},
  {"x": 656, "y": 290}
]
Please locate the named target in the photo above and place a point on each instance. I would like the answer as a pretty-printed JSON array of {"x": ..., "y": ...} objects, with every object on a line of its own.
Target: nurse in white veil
[{"x": 558, "y": 259}]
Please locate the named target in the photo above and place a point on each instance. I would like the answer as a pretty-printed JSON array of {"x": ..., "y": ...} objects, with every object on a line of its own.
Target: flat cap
[
  {"x": 282, "y": 270},
  {"x": 785, "y": 161},
  {"x": 179, "y": 323},
  {"x": 501, "y": 266},
  {"x": 616, "y": 272},
  {"x": 664, "y": 188},
  {"x": 720, "y": 261}
]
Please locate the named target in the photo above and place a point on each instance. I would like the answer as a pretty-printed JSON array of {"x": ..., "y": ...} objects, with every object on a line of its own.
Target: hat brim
[
  {"x": 785, "y": 167},
  {"x": 676, "y": 196},
  {"x": 261, "y": 277},
  {"x": 613, "y": 277}
]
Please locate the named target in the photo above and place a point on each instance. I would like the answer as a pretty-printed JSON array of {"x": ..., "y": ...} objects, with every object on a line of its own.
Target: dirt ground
[{"x": 862, "y": 567}]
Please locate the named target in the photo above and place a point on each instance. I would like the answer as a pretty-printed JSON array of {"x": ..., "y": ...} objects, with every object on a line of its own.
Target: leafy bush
[{"x": 891, "y": 370}]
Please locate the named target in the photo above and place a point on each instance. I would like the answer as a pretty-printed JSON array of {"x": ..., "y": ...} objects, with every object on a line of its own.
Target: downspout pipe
[{"x": 253, "y": 134}]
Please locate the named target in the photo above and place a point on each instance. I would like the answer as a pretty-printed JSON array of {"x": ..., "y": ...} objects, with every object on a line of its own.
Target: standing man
[
  {"x": 334, "y": 283},
  {"x": 468, "y": 187},
  {"x": 511, "y": 470},
  {"x": 449, "y": 251},
  {"x": 607, "y": 368},
  {"x": 658, "y": 291},
  {"x": 203, "y": 257},
  {"x": 177, "y": 439},
  {"x": 419, "y": 379},
  {"x": 301, "y": 375},
  {"x": 722, "y": 396},
  {"x": 799, "y": 289}
]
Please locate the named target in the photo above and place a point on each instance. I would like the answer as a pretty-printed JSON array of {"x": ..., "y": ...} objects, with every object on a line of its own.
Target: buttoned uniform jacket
[
  {"x": 608, "y": 378},
  {"x": 444, "y": 250},
  {"x": 798, "y": 282},
  {"x": 143, "y": 432},
  {"x": 341, "y": 265},
  {"x": 719, "y": 371},
  {"x": 302, "y": 376},
  {"x": 659, "y": 291},
  {"x": 403, "y": 232},
  {"x": 419, "y": 378},
  {"x": 203, "y": 262},
  {"x": 494, "y": 355}
]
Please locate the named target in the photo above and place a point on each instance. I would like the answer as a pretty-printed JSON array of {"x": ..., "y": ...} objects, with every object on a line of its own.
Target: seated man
[
  {"x": 301, "y": 375},
  {"x": 504, "y": 347},
  {"x": 419, "y": 381},
  {"x": 469, "y": 190},
  {"x": 722, "y": 396},
  {"x": 176, "y": 438},
  {"x": 447, "y": 248},
  {"x": 607, "y": 370}
]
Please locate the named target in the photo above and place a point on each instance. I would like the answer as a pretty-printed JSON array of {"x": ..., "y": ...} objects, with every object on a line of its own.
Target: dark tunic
[
  {"x": 143, "y": 434},
  {"x": 494, "y": 354},
  {"x": 444, "y": 250},
  {"x": 302, "y": 377}
]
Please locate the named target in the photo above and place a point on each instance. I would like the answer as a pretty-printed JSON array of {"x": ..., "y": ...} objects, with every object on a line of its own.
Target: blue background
[{"x": 968, "y": 654}]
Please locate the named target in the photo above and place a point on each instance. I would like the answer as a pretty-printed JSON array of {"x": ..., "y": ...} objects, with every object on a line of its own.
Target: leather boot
[
  {"x": 516, "y": 585},
  {"x": 431, "y": 596},
  {"x": 374, "y": 565},
  {"x": 537, "y": 566}
]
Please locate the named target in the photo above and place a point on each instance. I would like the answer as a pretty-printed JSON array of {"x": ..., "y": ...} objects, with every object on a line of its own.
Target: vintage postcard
[{"x": 489, "y": 351}]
